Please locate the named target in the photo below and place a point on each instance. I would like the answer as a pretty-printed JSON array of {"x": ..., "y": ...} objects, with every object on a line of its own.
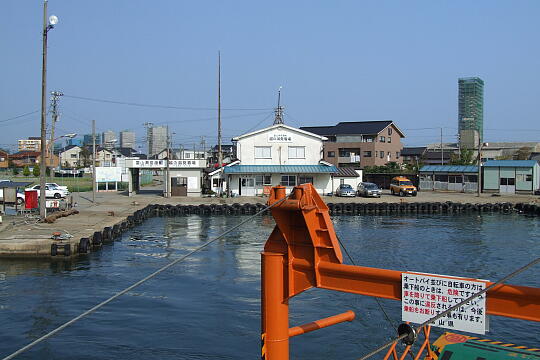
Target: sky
[{"x": 336, "y": 61}]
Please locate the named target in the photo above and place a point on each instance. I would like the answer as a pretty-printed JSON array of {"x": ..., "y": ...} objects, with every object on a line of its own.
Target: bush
[
  {"x": 26, "y": 171},
  {"x": 15, "y": 171},
  {"x": 36, "y": 171}
]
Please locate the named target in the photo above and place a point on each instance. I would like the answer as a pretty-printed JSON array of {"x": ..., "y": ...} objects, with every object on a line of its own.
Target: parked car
[
  {"x": 65, "y": 188},
  {"x": 402, "y": 186},
  {"x": 345, "y": 190},
  {"x": 50, "y": 192},
  {"x": 368, "y": 189}
]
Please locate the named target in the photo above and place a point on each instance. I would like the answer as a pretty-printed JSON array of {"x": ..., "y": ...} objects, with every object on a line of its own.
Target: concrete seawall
[{"x": 113, "y": 214}]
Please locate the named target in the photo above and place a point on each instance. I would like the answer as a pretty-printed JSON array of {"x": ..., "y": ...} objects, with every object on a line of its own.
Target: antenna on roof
[{"x": 278, "y": 119}]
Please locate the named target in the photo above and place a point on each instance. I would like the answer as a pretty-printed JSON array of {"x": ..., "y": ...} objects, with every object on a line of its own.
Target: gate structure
[{"x": 303, "y": 252}]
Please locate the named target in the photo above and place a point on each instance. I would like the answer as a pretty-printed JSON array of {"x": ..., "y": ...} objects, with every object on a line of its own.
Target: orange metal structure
[{"x": 303, "y": 252}]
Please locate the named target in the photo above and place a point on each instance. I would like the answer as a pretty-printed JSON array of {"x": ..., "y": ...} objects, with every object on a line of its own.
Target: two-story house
[
  {"x": 70, "y": 156},
  {"x": 360, "y": 143},
  {"x": 278, "y": 155}
]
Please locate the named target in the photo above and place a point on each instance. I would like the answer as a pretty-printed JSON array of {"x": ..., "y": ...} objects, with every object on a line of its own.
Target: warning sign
[{"x": 425, "y": 296}]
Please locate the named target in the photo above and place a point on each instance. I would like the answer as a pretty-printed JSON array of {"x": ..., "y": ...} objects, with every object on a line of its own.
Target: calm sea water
[{"x": 208, "y": 307}]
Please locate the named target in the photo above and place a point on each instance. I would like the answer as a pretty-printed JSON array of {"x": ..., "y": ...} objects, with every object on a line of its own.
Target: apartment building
[
  {"x": 359, "y": 144},
  {"x": 33, "y": 143}
]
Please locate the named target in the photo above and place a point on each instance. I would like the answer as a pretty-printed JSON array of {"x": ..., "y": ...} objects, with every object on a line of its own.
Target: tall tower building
[
  {"x": 127, "y": 139},
  {"x": 471, "y": 111},
  {"x": 157, "y": 139}
]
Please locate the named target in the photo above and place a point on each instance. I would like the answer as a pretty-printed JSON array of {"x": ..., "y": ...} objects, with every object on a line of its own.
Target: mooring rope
[
  {"x": 120, "y": 293},
  {"x": 450, "y": 309}
]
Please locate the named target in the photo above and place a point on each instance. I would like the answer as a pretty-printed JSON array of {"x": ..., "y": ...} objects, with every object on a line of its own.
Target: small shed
[
  {"x": 346, "y": 175},
  {"x": 511, "y": 176},
  {"x": 460, "y": 178}
]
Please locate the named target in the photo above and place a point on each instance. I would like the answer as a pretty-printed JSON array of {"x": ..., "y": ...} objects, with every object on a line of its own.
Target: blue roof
[
  {"x": 511, "y": 163},
  {"x": 283, "y": 169},
  {"x": 450, "y": 168}
]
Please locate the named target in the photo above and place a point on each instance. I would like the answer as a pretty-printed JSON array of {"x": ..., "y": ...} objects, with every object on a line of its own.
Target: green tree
[
  {"x": 465, "y": 157},
  {"x": 26, "y": 171},
  {"x": 15, "y": 170},
  {"x": 36, "y": 171}
]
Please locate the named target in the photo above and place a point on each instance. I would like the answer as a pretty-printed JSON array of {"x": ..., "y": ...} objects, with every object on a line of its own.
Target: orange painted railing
[{"x": 303, "y": 252}]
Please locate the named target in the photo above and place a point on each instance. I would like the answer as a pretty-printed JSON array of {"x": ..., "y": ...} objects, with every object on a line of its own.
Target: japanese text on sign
[
  {"x": 425, "y": 296},
  {"x": 279, "y": 137}
]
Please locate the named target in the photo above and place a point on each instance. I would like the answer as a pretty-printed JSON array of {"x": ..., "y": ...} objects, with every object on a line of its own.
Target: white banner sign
[
  {"x": 426, "y": 295},
  {"x": 279, "y": 137},
  {"x": 108, "y": 174},
  {"x": 161, "y": 164}
]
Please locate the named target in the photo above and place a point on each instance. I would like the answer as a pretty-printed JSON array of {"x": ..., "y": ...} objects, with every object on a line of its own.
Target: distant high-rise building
[
  {"x": 127, "y": 139},
  {"x": 471, "y": 111},
  {"x": 33, "y": 143},
  {"x": 157, "y": 139},
  {"x": 87, "y": 140},
  {"x": 109, "y": 139}
]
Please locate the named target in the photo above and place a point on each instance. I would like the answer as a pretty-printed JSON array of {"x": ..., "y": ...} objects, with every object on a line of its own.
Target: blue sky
[{"x": 336, "y": 60}]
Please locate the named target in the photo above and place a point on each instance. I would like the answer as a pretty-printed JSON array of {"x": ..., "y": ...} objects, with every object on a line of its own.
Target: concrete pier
[{"x": 20, "y": 239}]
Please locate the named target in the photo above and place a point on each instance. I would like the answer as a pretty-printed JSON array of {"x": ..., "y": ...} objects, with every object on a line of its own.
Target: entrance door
[
  {"x": 508, "y": 185},
  {"x": 247, "y": 186},
  {"x": 179, "y": 186}
]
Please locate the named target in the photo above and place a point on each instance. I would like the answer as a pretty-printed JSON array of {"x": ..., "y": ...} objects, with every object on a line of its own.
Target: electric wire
[
  {"x": 450, "y": 309},
  {"x": 158, "y": 105},
  {"x": 131, "y": 287},
  {"x": 19, "y": 116}
]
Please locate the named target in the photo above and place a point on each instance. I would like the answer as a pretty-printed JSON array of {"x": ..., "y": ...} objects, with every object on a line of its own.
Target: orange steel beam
[
  {"x": 303, "y": 252},
  {"x": 322, "y": 323}
]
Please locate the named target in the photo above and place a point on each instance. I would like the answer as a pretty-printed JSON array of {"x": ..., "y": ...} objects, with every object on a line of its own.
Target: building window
[
  {"x": 288, "y": 180},
  {"x": 382, "y": 139},
  {"x": 297, "y": 152},
  {"x": 187, "y": 155},
  {"x": 367, "y": 153},
  {"x": 389, "y": 131},
  {"x": 347, "y": 152},
  {"x": 381, "y": 153},
  {"x": 528, "y": 177},
  {"x": 389, "y": 139},
  {"x": 397, "y": 154},
  {"x": 331, "y": 154},
  {"x": 302, "y": 179},
  {"x": 261, "y": 180},
  {"x": 263, "y": 152},
  {"x": 367, "y": 139},
  {"x": 73, "y": 156}
]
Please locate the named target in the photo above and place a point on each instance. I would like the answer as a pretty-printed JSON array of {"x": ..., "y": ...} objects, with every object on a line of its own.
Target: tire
[
  {"x": 392, "y": 191},
  {"x": 57, "y": 195},
  {"x": 414, "y": 193},
  {"x": 20, "y": 201},
  {"x": 401, "y": 193}
]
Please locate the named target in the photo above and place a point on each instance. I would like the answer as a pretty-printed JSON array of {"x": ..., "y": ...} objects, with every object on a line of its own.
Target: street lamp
[
  {"x": 47, "y": 25},
  {"x": 480, "y": 146}
]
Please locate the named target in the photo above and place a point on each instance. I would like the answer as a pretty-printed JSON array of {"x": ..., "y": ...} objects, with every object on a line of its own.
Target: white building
[
  {"x": 157, "y": 139},
  {"x": 70, "y": 156},
  {"x": 278, "y": 155},
  {"x": 108, "y": 139}
]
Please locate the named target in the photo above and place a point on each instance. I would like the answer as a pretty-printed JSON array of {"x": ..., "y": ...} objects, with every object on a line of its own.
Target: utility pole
[
  {"x": 168, "y": 181},
  {"x": 442, "y": 151},
  {"x": 54, "y": 108},
  {"x": 479, "y": 163},
  {"x": 94, "y": 161},
  {"x": 42, "y": 165},
  {"x": 203, "y": 145},
  {"x": 220, "y": 154}
]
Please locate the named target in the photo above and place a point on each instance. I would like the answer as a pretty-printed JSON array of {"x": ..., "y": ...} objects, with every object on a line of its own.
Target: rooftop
[{"x": 352, "y": 127}]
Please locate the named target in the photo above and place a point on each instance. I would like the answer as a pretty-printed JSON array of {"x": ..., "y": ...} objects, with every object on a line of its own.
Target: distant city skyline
[{"x": 370, "y": 61}]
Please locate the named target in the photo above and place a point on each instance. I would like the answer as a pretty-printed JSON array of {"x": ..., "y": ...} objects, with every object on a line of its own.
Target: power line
[
  {"x": 160, "y": 106},
  {"x": 19, "y": 116}
]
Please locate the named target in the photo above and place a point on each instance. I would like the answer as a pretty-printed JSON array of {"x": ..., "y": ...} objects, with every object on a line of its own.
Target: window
[
  {"x": 389, "y": 139},
  {"x": 297, "y": 152},
  {"x": 247, "y": 182},
  {"x": 303, "y": 179},
  {"x": 471, "y": 178},
  {"x": 382, "y": 154},
  {"x": 441, "y": 178},
  {"x": 367, "y": 139},
  {"x": 528, "y": 177},
  {"x": 508, "y": 181},
  {"x": 367, "y": 153},
  {"x": 455, "y": 179},
  {"x": 288, "y": 180},
  {"x": 382, "y": 139},
  {"x": 73, "y": 156},
  {"x": 263, "y": 152},
  {"x": 389, "y": 131},
  {"x": 331, "y": 154},
  {"x": 397, "y": 154},
  {"x": 261, "y": 180},
  {"x": 347, "y": 152},
  {"x": 187, "y": 155}
]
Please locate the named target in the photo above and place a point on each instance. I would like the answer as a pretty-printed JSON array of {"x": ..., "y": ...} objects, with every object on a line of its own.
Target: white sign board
[
  {"x": 162, "y": 164},
  {"x": 279, "y": 138},
  {"x": 423, "y": 296},
  {"x": 52, "y": 204},
  {"x": 108, "y": 174},
  {"x": 192, "y": 182}
]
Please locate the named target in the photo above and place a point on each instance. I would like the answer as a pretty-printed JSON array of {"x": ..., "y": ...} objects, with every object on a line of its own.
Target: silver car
[
  {"x": 369, "y": 189},
  {"x": 345, "y": 190}
]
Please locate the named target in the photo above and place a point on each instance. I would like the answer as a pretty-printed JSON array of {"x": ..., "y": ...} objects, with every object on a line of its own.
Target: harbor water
[{"x": 208, "y": 306}]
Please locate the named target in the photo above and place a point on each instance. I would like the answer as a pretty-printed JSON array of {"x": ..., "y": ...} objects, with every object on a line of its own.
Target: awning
[
  {"x": 450, "y": 168},
  {"x": 280, "y": 169}
]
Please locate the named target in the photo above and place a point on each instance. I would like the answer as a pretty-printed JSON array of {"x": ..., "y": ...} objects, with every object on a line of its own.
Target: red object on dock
[{"x": 30, "y": 199}]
